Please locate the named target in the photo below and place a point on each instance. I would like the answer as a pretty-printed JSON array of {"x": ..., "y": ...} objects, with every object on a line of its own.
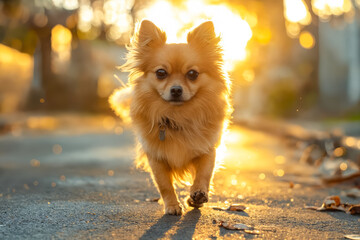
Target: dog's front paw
[
  {"x": 173, "y": 209},
  {"x": 197, "y": 199}
]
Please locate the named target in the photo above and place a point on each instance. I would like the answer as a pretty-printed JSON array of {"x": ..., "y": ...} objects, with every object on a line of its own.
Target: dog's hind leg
[
  {"x": 204, "y": 167},
  {"x": 162, "y": 175}
]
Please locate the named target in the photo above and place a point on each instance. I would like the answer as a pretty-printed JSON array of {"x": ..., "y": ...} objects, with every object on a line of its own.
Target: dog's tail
[{"x": 120, "y": 102}]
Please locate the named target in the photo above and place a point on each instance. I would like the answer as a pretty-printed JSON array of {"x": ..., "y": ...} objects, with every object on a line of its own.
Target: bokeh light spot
[
  {"x": 262, "y": 176},
  {"x": 340, "y": 151},
  {"x": 35, "y": 163},
  {"x": 57, "y": 149},
  {"x": 111, "y": 173},
  {"x": 343, "y": 166},
  {"x": 307, "y": 40},
  {"x": 249, "y": 75}
]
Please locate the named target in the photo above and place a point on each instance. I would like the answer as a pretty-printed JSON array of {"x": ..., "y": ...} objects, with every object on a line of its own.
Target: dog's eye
[
  {"x": 192, "y": 75},
  {"x": 161, "y": 74}
]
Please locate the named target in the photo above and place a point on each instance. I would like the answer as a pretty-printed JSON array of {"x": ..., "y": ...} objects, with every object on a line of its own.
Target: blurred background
[
  {"x": 66, "y": 168},
  {"x": 297, "y": 59}
]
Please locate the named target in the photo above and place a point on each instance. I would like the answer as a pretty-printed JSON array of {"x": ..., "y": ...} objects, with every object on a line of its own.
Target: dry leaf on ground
[
  {"x": 236, "y": 207},
  {"x": 238, "y": 226},
  {"x": 232, "y": 207},
  {"x": 334, "y": 203},
  {"x": 254, "y": 232},
  {"x": 241, "y": 226},
  {"x": 355, "y": 209}
]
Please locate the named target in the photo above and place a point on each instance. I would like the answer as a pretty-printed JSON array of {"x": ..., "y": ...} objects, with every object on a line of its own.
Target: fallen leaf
[
  {"x": 152, "y": 199},
  {"x": 241, "y": 226},
  {"x": 352, "y": 236},
  {"x": 254, "y": 232},
  {"x": 332, "y": 200},
  {"x": 232, "y": 207},
  {"x": 313, "y": 208},
  {"x": 236, "y": 207},
  {"x": 325, "y": 207},
  {"x": 237, "y": 226},
  {"x": 355, "y": 209},
  {"x": 220, "y": 208},
  {"x": 227, "y": 226},
  {"x": 334, "y": 203}
]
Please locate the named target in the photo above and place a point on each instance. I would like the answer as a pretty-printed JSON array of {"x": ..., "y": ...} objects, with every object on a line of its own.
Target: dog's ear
[
  {"x": 204, "y": 34},
  {"x": 150, "y": 35},
  {"x": 147, "y": 36}
]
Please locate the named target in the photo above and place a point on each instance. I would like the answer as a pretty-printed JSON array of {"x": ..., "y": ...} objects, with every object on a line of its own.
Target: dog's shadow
[{"x": 185, "y": 229}]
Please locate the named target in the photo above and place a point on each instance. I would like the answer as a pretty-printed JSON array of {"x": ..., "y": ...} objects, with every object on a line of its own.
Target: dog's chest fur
[{"x": 181, "y": 144}]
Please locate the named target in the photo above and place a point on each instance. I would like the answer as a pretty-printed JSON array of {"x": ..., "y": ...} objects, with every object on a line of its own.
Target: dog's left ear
[
  {"x": 204, "y": 34},
  {"x": 150, "y": 35}
]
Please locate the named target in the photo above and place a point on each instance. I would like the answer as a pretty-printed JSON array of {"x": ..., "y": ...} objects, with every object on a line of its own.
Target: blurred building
[{"x": 339, "y": 64}]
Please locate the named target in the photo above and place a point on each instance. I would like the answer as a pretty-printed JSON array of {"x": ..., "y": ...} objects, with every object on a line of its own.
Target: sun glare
[
  {"x": 296, "y": 11},
  {"x": 326, "y": 8},
  {"x": 176, "y": 21},
  {"x": 297, "y": 15},
  {"x": 61, "y": 38}
]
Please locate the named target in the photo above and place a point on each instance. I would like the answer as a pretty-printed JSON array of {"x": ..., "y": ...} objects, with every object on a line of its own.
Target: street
[{"x": 71, "y": 184}]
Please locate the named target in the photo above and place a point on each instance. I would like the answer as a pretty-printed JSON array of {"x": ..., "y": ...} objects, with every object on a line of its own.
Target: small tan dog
[{"x": 179, "y": 107}]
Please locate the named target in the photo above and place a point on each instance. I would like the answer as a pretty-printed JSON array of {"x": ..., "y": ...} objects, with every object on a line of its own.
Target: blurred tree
[{"x": 25, "y": 24}]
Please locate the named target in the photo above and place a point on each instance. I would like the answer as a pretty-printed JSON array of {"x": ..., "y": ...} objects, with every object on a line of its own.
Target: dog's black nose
[{"x": 176, "y": 91}]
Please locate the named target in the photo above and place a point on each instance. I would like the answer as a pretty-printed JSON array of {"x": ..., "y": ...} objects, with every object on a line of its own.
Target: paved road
[{"x": 81, "y": 185}]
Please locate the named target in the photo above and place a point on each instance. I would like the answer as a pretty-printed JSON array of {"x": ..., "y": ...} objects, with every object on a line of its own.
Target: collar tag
[{"x": 162, "y": 132}]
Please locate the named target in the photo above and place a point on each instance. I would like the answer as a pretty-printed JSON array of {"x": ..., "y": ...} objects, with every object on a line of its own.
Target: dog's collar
[{"x": 164, "y": 124}]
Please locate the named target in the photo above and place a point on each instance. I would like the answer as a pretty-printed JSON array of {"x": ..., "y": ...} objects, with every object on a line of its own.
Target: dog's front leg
[
  {"x": 204, "y": 167},
  {"x": 163, "y": 177}
]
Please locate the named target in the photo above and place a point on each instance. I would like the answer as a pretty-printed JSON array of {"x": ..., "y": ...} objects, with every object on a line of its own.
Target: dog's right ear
[
  {"x": 203, "y": 35},
  {"x": 150, "y": 35}
]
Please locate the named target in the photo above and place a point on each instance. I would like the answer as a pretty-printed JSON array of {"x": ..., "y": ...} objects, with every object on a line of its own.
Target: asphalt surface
[{"x": 69, "y": 184}]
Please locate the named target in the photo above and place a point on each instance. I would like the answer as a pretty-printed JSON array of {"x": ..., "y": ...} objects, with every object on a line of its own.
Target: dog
[{"x": 179, "y": 97}]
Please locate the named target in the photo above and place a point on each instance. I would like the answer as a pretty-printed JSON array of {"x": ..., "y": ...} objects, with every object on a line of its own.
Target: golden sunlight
[
  {"x": 67, "y": 4},
  {"x": 86, "y": 16},
  {"x": 176, "y": 20},
  {"x": 325, "y": 8},
  {"x": 61, "y": 38},
  {"x": 18, "y": 66},
  {"x": 297, "y": 15},
  {"x": 296, "y": 11}
]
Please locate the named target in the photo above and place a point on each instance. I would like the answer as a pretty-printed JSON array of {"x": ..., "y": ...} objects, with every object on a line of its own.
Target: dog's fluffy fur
[{"x": 192, "y": 127}]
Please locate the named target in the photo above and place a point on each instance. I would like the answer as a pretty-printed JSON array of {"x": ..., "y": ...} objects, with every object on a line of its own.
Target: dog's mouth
[{"x": 176, "y": 101}]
